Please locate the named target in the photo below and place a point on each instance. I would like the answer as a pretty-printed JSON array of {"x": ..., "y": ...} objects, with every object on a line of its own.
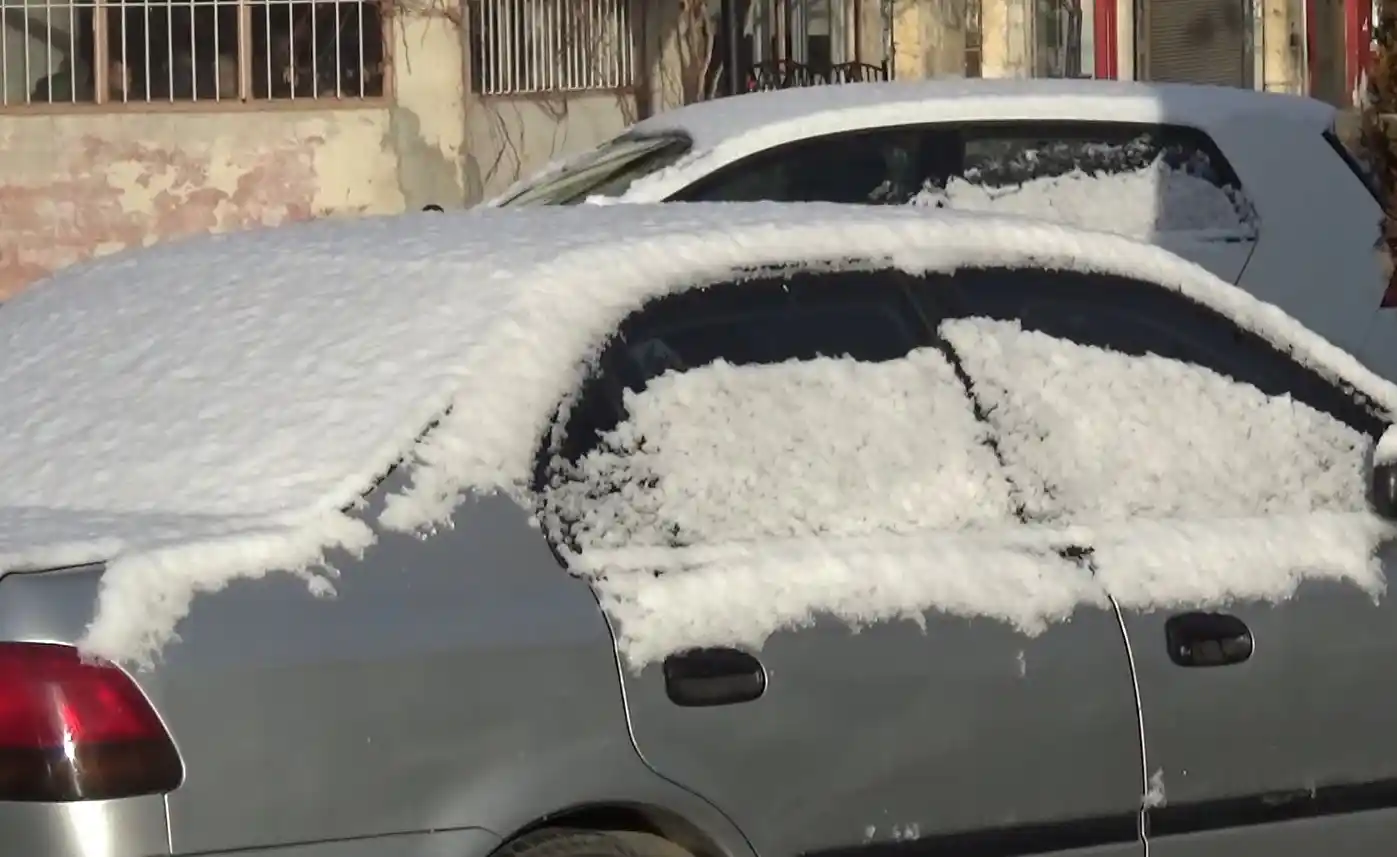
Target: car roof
[{"x": 858, "y": 105}]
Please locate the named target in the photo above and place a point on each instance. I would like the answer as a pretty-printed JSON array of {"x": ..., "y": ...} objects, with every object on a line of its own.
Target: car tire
[{"x": 567, "y": 842}]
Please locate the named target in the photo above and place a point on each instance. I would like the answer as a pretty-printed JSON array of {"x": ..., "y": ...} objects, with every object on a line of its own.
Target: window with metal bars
[
  {"x": 145, "y": 52},
  {"x": 538, "y": 46}
]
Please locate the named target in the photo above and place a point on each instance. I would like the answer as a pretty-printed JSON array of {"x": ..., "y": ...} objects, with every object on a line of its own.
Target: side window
[
  {"x": 886, "y": 166},
  {"x": 1134, "y": 178},
  {"x": 1128, "y": 177},
  {"x": 1114, "y": 399},
  {"x": 810, "y": 404}
]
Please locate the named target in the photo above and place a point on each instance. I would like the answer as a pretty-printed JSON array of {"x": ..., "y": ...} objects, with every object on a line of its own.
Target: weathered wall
[
  {"x": 508, "y": 138},
  {"x": 75, "y": 185}
]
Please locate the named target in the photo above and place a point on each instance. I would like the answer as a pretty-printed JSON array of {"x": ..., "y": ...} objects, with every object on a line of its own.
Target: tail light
[{"x": 74, "y": 730}]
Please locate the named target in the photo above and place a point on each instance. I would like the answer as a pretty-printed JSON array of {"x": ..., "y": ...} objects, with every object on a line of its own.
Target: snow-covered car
[
  {"x": 744, "y": 530},
  {"x": 1257, "y": 187}
]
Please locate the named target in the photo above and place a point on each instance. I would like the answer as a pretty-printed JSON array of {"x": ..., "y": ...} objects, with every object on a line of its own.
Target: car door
[
  {"x": 1229, "y": 480},
  {"x": 920, "y": 728}
]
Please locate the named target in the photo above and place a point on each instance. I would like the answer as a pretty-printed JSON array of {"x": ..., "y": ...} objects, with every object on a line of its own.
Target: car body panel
[
  {"x": 134, "y": 827},
  {"x": 1226, "y": 259},
  {"x": 894, "y": 732},
  {"x": 404, "y": 704},
  {"x": 1363, "y": 835},
  {"x": 469, "y": 842},
  {"x": 1303, "y": 727}
]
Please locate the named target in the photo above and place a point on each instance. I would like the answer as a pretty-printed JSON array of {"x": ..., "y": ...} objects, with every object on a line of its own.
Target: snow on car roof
[
  {"x": 209, "y": 409},
  {"x": 857, "y": 105}
]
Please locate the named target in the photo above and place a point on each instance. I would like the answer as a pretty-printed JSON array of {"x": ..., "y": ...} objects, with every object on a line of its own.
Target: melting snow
[
  {"x": 1154, "y": 795},
  {"x": 208, "y": 410},
  {"x": 1141, "y": 202}
]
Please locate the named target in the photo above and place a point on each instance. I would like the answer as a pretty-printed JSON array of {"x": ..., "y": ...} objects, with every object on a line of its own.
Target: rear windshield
[
  {"x": 1355, "y": 161},
  {"x": 606, "y": 171}
]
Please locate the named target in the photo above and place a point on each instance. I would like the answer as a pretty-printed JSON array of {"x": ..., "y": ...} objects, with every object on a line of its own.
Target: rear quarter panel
[
  {"x": 1315, "y": 256},
  {"x": 459, "y": 681}
]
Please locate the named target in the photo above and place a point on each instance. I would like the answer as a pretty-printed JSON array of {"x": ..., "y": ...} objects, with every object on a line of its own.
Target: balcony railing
[{"x": 788, "y": 74}]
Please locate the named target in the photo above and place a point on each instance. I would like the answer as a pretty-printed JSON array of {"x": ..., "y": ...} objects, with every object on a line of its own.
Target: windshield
[{"x": 607, "y": 170}]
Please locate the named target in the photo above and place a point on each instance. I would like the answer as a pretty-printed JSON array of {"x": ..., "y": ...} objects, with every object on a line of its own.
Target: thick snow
[
  {"x": 1141, "y": 202},
  {"x": 1090, "y": 435},
  {"x": 1386, "y": 450},
  {"x": 740, "y": 593},
  {"x": 831, "y": 447},
  {"x": 207, "y": 410},
  {"x": 766, "y": 494},
  {"x": 664, "y": 600}
]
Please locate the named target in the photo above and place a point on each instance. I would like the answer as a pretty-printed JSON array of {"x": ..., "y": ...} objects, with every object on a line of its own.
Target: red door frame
[
  {"x": 1107, "y": 53},
  {"x": 1358, "y": 35}
]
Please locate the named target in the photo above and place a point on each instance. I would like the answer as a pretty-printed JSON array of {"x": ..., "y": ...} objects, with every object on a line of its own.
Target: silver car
[{"x": 688, "y": 531}]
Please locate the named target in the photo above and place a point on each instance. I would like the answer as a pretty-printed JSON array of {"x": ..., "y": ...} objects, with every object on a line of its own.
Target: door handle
[
  {"x": 703, "y": 677},
  {"x": 1207, "y": 639}
]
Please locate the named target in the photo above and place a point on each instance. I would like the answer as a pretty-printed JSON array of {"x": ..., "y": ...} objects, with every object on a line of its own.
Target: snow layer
[
  {"x": 1094, "y": 435},
  {"x": 1141, "y": 203},
  {"x": 738, "y": 594},
  {"x": 767, "y": 494},
  {"x": 830, "y": 447},
  {"x": 208, "y": 410}
]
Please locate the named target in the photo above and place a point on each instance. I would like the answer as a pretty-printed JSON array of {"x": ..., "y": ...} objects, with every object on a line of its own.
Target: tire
[{"x": 567, "y": 842}]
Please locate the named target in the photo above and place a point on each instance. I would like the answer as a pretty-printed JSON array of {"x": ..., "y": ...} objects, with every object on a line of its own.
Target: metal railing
[
  {"x": 106, "y": 52},
  {"x": 536, "y": 46},
  {"x": 787, "y": 74}
]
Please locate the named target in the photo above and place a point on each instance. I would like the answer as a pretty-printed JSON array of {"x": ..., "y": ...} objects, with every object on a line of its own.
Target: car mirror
[{"x": 1382, "y": 489}]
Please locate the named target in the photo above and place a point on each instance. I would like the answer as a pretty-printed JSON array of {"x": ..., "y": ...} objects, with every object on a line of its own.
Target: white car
[{"x": 1256, "y": 187}]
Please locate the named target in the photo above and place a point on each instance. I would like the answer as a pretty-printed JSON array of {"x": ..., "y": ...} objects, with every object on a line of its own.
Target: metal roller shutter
[{"x": 1196, "y": 41}]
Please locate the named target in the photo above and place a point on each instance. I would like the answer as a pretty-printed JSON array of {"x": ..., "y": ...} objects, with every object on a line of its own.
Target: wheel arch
[{"x": 634, "y": 817}]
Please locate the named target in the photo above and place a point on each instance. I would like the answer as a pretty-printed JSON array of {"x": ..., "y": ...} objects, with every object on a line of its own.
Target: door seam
[{"x": 1142, "y": 817}]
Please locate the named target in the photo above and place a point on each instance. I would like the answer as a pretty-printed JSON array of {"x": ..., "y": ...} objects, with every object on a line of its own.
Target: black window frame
[
  {"x": 765, "y": 291},
  {"x": 596, "y": 406}
]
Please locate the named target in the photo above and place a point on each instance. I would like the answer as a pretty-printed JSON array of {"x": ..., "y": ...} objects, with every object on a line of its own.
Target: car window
[
  {"x": 607, "y": 171},
  {"x": 1113, "y": 399},
  {"x": 1126, "y": 177},
  {"x": 1123, "y": 177},
  {"x": 802, "y": 404},
  {"x": 878, "y": 167}
]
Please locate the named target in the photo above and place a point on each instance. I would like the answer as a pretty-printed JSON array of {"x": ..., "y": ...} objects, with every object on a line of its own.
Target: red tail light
[{"x": 74, "y": 730}]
